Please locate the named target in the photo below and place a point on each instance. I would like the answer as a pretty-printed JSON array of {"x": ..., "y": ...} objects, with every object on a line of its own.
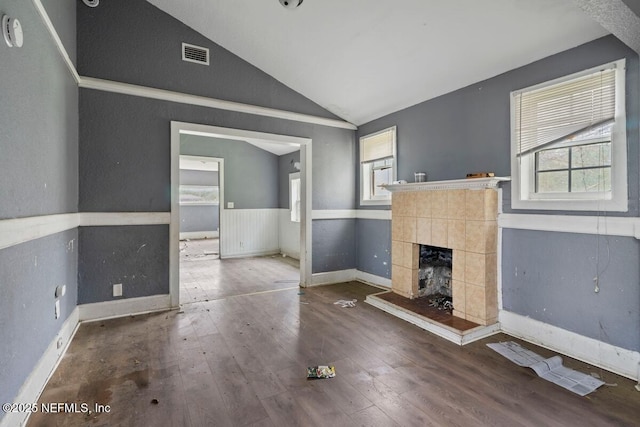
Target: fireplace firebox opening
[{"x": 434, "y": 276}]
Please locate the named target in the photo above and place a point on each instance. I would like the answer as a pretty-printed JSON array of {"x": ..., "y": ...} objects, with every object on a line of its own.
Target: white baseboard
[
  {"x": 123, "y": 307},
  {"x": 331, "y": 277},
  {"x": 606, "y": 356},
  {"x": 251, "y": 253},
  {"x": 341, "y": 276},
  {"x": 37, "y": 380},
  {"x": 196, "y": 235},
  {"x": 372, "y": 279}
]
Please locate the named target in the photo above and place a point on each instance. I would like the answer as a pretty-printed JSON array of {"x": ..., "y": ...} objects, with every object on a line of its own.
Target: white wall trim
[
  {"x": 374, "y": 214},
  {"x": 219, "y": 104},
  {"x": 330, "y": 277},
  {"x": 196, "y": 235},
  {"x": 372, "y": 279},
  {"x": 334, "y": 214},
  {"x": 123, "y": 307},
  {"x": 56, "y": 39},
  {"x": 351, "y": 214},
  {"x": 601, "y": 225},
  {"x": 93, "y": 219},
  {"x": 39, "y": 376},
  {"x": 615, "y": 359},
  {"x": 21, "y": 230}
]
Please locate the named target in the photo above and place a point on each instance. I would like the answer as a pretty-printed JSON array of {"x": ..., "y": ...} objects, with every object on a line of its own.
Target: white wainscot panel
[
  {"x": 289, "y": 234},
  {"x": 249, "y": 232}
]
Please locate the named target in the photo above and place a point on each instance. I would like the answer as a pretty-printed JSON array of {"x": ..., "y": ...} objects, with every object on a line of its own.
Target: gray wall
[
  {"x": 549, "y": 277},
  {"x": 199, "y": 217},
  {"x": 334, "y": 251},
  {"x": 469, "y": 130},
  {"x": 285, "y": 167},
  {"x": 39, "y": 176},
  {"x": 373, "y": 248},
  {"x": 125, "y": 141},
  {"x": 30, "y": 273},
  {"x": 131, "y": 255},
  {"x": 39, "y": 128},
  {"x": 250, "y": 174},
  {"x": 133, "y": 41}
]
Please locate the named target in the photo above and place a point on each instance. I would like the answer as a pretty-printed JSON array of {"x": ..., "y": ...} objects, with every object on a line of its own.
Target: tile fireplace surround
[{"x": 460, "y": 215}]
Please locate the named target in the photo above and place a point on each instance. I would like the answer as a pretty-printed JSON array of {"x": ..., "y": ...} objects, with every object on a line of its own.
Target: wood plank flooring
[
  {"x": 204, "y": 277},
  {"x": 241, "y": 361}
]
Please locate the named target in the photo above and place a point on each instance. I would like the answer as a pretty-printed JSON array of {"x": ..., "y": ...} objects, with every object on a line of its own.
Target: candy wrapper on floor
[{"x": 315, "y": 372}]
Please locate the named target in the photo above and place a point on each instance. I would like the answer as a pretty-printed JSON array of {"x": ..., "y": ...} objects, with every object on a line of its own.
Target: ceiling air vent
[{"x": 197, "y": 54}]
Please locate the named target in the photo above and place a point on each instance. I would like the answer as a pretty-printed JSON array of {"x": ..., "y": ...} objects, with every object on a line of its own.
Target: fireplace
[{"x": 460, "y": 218}]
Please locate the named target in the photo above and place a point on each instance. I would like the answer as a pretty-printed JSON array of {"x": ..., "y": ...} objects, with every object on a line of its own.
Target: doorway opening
[{"x": 250, "y": 229}]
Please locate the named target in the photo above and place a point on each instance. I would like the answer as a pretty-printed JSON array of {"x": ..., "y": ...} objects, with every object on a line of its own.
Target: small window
[
  {"x": 294, "y": 196},
  {"x": 377, "y": 166},
  {"x": 569, "y": 145},
  {"x": 198, "y": 195}
]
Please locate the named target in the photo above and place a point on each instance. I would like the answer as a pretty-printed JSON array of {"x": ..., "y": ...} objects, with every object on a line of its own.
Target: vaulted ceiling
[{"x": 362, "y": 59}]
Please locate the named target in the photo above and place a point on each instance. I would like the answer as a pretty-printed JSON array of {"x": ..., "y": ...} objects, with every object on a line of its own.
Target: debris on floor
[
  {"x": 550, "y": 369},
  {"x": 346, "y": 303},
  {"x": 316, "y": 372},
  {"x": 154, "y": 401}
]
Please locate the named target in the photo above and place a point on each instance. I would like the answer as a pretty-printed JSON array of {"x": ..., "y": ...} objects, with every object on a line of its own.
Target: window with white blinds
[
  {"x": 569, "y": 144},
  {"x": 554, "y": 113},
  {"x": 377, "y": 166}
]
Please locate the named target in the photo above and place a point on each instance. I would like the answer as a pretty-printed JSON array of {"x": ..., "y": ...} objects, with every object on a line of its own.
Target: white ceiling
[{"x": 363, "y": 59}]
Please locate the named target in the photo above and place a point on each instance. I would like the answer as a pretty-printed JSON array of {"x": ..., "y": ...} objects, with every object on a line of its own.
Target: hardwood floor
[
  {"x": 204, "y": 277},
  {"x": 241, "y": 361}
]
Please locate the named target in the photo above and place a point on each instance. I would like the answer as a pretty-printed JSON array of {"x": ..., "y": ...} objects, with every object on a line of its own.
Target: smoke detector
[
  {"x": 12, "y": 31},
  {"x": 291, "y": 4},
  {"x": 91, "y": 3}
]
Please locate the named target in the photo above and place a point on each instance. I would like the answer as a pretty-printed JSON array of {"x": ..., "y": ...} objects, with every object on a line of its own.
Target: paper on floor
[{"x": 550, "y": 369}]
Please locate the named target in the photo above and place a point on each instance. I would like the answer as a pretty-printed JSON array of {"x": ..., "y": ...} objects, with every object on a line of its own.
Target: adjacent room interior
[{"x": 202, "y": 204}]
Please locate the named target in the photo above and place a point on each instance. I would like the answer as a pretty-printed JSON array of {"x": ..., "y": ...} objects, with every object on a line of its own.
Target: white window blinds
[
  {"x": 378, "y": 146},
  {"x": 550, "y": 114}
]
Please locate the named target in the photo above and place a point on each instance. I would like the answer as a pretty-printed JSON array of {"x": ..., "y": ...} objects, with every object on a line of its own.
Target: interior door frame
[{"x": 305, "y": 144}]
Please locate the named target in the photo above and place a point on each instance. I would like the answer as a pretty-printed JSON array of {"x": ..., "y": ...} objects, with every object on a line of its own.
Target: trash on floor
[
  {"x": 315, "y": 372},
  {"x": 550, "y": 369},
  {"x": 346, "y": 303}
]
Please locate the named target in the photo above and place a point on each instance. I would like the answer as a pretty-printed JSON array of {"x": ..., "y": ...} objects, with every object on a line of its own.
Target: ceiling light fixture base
[
  {"x": 12, "y": 31},
  {"x": 290, "y": 4}
]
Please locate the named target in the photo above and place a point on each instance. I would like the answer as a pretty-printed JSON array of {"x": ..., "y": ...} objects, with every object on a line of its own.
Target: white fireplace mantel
[{"x": 452, "y": 184}]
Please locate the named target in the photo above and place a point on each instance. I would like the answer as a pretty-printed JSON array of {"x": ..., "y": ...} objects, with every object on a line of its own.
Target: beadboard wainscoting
[{"x": 248, "y": 232}]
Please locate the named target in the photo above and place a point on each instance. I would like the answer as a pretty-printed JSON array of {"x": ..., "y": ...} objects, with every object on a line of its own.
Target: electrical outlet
[
  {"x": 230, "y": 205},
  {"x": 117, "y": 290}
]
